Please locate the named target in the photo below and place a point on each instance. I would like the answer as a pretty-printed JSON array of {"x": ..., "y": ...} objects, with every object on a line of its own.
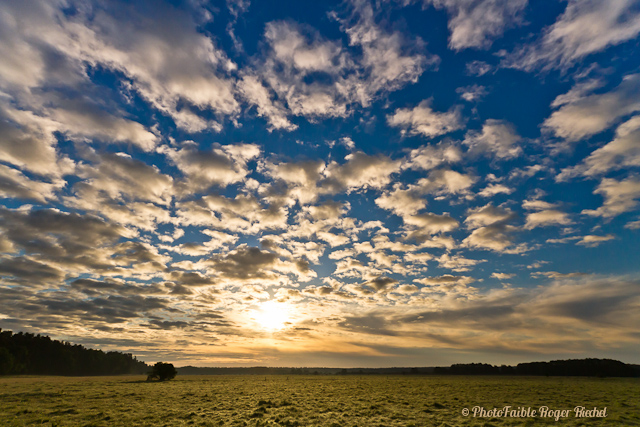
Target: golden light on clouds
[
  {"x": 273, "y": 315},
  {"x": 313, "y": 198}
]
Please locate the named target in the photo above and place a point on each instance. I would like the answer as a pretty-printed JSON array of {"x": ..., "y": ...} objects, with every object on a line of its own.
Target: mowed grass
[{"x": 307, "y": 400}]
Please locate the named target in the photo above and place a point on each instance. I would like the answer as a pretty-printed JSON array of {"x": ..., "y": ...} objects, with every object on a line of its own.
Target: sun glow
[{"x": 273, "y": 315}]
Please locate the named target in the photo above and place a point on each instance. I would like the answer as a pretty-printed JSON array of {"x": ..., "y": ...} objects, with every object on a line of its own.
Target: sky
[{"x": 339, "y": 184}]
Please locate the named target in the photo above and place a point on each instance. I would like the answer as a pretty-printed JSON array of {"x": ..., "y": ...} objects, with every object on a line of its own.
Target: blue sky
[{"x": 391, "y": 183}]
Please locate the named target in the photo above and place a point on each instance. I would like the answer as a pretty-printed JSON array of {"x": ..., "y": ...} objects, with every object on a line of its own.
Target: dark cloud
[
  {"x": 118, "y": 176},
  {"x": 51, "y": 309},
  {"x": 26, "y": 270},
  {"x": 138, "y": 252},
  {"x": 15, "y": 185},
  {"x": 381, "y": 284},
  {"x": 75, "y": 232},
  {"x": 474, "y": 314},
  {"x": 93, "y": 288},
  {"x": 371, "y": 324},
  {"x": 245, "y": 263},
  {"x": 191, "y": 278},
  {"x": 166, "y": 324},
  {"x": 110, "y": 309},
  {"x": 592, "y": 308}
]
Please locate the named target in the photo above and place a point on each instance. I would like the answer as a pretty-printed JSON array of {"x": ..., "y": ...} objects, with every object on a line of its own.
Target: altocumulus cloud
[{"x": 173, "y": 174}]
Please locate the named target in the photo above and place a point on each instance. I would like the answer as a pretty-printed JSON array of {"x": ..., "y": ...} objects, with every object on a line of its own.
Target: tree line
[
  {"x": 573, "y": 367},
  {"x": 30, "y": 354},
  {"x": 569, "y": 368},
  {"x": 264, "y": 370}
]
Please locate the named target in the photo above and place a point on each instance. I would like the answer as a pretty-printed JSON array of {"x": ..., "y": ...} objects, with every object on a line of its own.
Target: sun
[{"x": 272, "y": 315}]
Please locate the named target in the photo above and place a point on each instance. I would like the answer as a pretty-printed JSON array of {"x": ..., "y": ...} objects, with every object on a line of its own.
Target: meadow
[{"x": 315, "y": 400}]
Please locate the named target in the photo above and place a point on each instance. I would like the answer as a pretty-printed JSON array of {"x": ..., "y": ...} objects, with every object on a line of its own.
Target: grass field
[{"x": 309, "y": 400}]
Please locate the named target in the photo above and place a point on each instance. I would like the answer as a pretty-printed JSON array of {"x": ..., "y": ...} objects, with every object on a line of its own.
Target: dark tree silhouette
[
  {"x": 29, "y": 354},
  {"x": 572, "y": 367},
  {"x": 162, "y": 372}
]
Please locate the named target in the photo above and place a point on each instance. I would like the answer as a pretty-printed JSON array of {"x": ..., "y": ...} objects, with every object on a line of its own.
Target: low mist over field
[{"x": 322, "y": 184}]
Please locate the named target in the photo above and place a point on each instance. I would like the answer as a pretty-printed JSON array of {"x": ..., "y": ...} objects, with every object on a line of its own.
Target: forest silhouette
[{"x": 30, "y": 354}]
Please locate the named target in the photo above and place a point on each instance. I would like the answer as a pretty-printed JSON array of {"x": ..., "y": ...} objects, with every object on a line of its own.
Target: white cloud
[
  {"x": 167, "y": 61},
  {"x": 360, "y": 171},
  {"x": 498, "y": 138},
  {"x": 406, "y": 201},
  {"x": 446, "y": 279},
  {"x": 389, "y": 60},
  {"x": 301, "y": 179},
  {"x": 445, "y": 181},
  {"x": 145, "y": 216},
  {"x": 491, "y": 228},
  {"x": 418, "y": 258},
  {"x": 293, "y": 49},
  {"x": 633, "y": 225},
  {"x": 556, "y": 275},
  {"x": 59, "y": 244},
  {"x": 14, "y": 184},
  {"x": 255, "y": 93},
  {"x": 591, "y": 114},
  {"x": 422, "y": 120},
  {"x": 546, "y": 214},
  {"x": 502, "y": 276},
  {"x": 487, "y": 215},
  {"x": 496, "y": 237},
  {"x": 429, "y": 223},
  {"x": 123, "y": 178},
  {"x": 243, "y": 213},
  {"x": 577, "y": 92},
  {"x": 348, "y": 143},
  {"x": 546, "y": 218},
  {"x": 28, "y": 141},
  {"x": 619, "y": 197},
  {"x": 593, "y": 240},
  {"x": 457, "y": 263},
  {"x": 82, "y": 121},
  {"x": 493, "y": 189},
  {"x": 448, "y": 285},
  {"x": 218, "y": 240},
  {"x": 317, "y": 221},
  {"x": 478, "y": 68},
  {"x": 407, "y": 289},
  {"x": 124, "y": 191},
  {"x": 586, "y": 27},
  {"x": 387, "y": 63},
  {"x": 623, "y": 151},
  {"x": 428, "y": 157},
  {"x": 477, "y": 24},
  {"x": 537, "y": 204},
  {"x": 238, "y": 7},
  {"x": 222, "y": 165},
  {"x": 295, "y": 52},
  {"x": 472, "y": 93},
  {"x": 402, "y": 202},
  {"x": 526, "y": 172}
]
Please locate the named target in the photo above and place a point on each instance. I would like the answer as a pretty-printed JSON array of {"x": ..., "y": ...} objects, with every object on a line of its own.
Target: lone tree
[{"x": 162, "y": 371}]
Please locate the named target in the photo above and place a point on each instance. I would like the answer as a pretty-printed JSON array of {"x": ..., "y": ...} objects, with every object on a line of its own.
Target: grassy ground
[{"x": 308, "y": 400}]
